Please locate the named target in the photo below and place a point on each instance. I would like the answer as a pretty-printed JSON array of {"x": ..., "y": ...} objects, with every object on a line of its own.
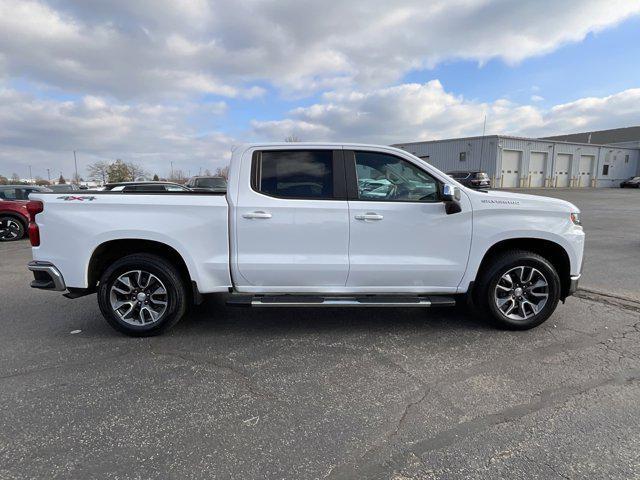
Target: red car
[{"x": 14, "y": 218}]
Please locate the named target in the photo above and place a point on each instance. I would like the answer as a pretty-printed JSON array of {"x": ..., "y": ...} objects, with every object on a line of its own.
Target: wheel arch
[
  {"x": 111, "y": 250},
  {"x": 555, "y": 253}
]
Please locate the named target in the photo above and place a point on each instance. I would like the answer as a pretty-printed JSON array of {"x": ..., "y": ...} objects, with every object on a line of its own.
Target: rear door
[
  {"x": 292, "y": 223},
  {"x": 402, "y": 240}
]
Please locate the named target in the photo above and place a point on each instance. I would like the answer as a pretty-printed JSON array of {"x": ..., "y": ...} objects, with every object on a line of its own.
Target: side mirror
[
  {"x": 450, "y": 193},
  {"x": 451, "y": 198}
]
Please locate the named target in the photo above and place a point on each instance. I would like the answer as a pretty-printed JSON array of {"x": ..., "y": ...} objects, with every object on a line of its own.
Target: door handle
[
  {"x": 257, "y": 214},
  {"x": 369, "y": 217}
]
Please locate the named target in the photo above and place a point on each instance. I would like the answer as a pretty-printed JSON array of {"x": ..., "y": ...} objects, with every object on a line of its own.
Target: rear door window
[{"x": 295, "y": 174}]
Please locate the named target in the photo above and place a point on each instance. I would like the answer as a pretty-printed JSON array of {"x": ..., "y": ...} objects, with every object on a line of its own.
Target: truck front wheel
[
  {"x": 142, "y": 295},
  {"x": 518, "y": 290}
]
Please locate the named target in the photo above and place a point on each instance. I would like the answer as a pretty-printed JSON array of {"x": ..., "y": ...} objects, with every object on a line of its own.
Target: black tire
[
  {"x": 167, "y": 273},
  {"x": 11, "y": 228},
  {"x": 487, "y": 292}
]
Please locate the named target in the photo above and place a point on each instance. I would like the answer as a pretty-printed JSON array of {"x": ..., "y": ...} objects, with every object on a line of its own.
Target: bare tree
[
  {"x": 207, "y": 172},
  {"x": 15, "y": 178},
  {"x": 99, "y": 171},
  {"x": 136, "y": 170},
  {"x": 292, "y": 139}
]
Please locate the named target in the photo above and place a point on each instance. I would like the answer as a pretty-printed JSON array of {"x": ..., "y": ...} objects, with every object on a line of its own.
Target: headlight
[{"x": 575, "y": 218}]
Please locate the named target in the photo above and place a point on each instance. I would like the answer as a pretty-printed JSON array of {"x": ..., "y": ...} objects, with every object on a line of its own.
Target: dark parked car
[
  {"x": 19, "y": 192},
  {"x": 633, "y": 182},
  {"x": 471, "y": 179},
  {"x": 64, "y": 188},
  {"x": 145, "y": 187},
  {"x": 216, "y": 184}
]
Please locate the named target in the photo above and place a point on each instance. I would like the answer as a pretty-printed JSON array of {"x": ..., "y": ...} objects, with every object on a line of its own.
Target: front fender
[{"x": 489, "y": 230}]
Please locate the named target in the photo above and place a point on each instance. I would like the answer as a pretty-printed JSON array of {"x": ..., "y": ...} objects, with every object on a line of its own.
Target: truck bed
[{"x": 194, "y": 224}]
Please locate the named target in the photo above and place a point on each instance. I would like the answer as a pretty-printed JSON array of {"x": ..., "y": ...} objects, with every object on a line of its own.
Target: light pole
[
  {"x": 49, "y": 174},
  {"x": 75, "y": 160},
  {"x": 30, "y": 175},
  {"x": 171, "y": 169}
]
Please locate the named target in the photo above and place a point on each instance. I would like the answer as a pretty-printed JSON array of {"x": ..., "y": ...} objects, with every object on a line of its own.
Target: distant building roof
[{"x": 603, "y": 137}]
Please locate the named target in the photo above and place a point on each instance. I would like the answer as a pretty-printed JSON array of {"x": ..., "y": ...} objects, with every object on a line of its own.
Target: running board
[{"x": 340, "y": 301}]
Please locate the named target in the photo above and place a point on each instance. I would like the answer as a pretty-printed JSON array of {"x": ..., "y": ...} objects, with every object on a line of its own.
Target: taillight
[{"x": 34, "y": 207}]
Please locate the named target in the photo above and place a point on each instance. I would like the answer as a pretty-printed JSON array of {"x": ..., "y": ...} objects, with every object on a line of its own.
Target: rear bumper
[
  {"x": 573, "y": 284},
  {"x": 46, "y": 276}
]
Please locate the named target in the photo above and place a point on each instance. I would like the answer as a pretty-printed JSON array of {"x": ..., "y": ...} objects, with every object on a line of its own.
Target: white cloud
[
  {"x": 225, "y": 47},
  {"x": 412, "y": 112},
  {"x": 43, "y": 134}
]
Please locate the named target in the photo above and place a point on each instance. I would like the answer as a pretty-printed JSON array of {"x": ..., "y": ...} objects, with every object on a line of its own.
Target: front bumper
[
  {"x": 46, "y": 276},
  {"x": 573, "y": 284}
]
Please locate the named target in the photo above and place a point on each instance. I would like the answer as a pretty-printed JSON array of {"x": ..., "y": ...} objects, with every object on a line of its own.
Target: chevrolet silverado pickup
[{"x": 310, "y": 225}]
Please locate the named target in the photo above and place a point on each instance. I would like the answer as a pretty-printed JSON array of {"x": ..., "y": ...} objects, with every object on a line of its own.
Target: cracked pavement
[{"x": 326, "y": 393}]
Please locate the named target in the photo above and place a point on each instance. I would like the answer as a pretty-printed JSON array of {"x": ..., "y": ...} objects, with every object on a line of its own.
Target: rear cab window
[{"x": 298, "y": 174}]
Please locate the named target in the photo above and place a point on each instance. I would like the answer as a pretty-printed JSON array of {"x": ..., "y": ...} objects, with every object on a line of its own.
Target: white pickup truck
[{"x": 310, "y": 225}]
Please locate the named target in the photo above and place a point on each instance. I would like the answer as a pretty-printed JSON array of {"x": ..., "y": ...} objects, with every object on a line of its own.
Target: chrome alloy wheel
[
  {"x": 138, "y": 298},
  {"x": 9, "y": 229},
  {"x": 521, "y": 293}
]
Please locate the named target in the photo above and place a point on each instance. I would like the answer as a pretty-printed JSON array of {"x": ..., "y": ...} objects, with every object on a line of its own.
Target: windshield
[{"x": 218, "y": 182}]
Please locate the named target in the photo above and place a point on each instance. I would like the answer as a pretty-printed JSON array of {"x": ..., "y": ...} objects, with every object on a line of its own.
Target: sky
[{"x": 184, "y": 81}]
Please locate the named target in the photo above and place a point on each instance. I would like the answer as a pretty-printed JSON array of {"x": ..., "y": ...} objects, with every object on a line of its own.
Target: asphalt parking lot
[{"x": 374, "y": 393}]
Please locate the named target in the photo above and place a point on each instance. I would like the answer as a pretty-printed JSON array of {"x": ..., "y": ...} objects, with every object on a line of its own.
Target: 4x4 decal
[{"x": 68, "y": 198}]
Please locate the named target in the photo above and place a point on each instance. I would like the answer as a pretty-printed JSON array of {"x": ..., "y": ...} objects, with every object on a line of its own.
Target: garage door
[
  {"x": 562, "y": 170},
  {"x": 511, "y": 161},
  {"x": 536, "y": 169},
  {"x": 587, "y": 166}
]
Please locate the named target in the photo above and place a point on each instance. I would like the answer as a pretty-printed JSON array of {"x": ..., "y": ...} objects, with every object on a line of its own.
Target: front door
[
  {"x": 401, "y": 237},
  {"x": 292, "y": 223}
]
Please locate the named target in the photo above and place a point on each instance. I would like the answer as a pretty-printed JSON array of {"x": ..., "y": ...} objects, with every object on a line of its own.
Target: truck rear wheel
[
  {"x": 518, "y": 290},
  {"x": 142, "y": 295}
]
